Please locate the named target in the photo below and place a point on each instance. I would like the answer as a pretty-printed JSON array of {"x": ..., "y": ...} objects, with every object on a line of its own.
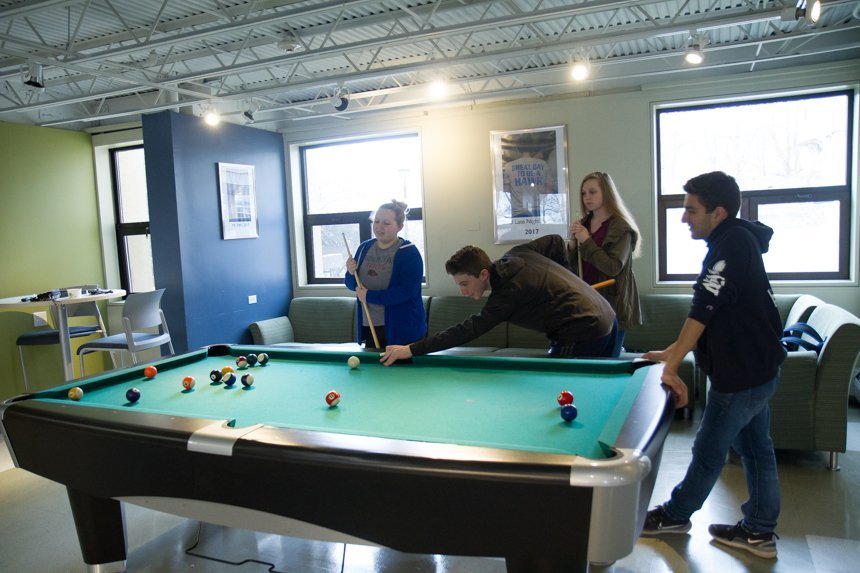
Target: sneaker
[
  {"x": 657, "y": 523},
  {"x": 761, "y": 544}
]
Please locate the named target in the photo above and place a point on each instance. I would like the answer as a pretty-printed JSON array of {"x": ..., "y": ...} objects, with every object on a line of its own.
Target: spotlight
[
  {"x": 249, "y": 116},
  {"x": 33, "y": 78},
  {"x": 289, "y": 43},
  {"x": 211, "y": 115},
  {"x": 249, "y": 108},
  {"x": 438, "y": 88},
  {"x": 581, "y": 69},
  {"x": 340, "y": 100},
  {"x": 803, "y": 11},
  {"x": 694, "y": 54}
]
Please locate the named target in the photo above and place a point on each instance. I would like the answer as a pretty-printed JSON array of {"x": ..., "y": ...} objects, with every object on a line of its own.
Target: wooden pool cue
[
  {"x": 363, "y": 304},
  {"x": 601, "y": 284},
  {"x": 579, "y": 252}
]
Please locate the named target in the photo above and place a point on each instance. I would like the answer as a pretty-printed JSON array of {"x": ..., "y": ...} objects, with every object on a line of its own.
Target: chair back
[{"x": 142, "y": 310}]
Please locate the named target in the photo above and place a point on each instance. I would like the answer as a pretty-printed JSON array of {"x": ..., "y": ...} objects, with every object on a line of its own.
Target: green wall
[{"x": 49, "y": 235}]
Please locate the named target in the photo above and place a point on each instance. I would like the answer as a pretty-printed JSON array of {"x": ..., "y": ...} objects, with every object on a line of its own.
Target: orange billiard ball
[
  {"x": 150, "y": 371},
  {"x": 188, "y": 382}
]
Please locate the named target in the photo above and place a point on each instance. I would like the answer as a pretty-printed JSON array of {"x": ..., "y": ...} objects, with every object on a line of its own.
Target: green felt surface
[{"x": 494, "y": 402}]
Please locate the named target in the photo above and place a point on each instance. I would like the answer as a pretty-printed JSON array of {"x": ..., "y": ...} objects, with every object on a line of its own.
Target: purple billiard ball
[
  {"x": 568, "y": 412},
  {"x": 132, "y": 395}
]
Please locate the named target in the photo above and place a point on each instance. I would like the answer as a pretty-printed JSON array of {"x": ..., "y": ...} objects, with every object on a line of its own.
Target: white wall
[{"x": 609, "y": 132}]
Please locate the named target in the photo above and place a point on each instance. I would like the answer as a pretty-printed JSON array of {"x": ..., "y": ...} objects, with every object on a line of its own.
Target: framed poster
[
  {"x": 238, "y": 201},
  {"x": 530, "y": 187}
]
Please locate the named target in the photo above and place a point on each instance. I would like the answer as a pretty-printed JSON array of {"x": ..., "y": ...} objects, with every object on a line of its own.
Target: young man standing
[
  {"x": 531, "y": 286},
  {"x": 734, "y": 328}
]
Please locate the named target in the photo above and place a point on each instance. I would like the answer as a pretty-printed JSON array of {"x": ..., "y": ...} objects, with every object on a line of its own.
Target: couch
[{"x": 808, "y": 411}]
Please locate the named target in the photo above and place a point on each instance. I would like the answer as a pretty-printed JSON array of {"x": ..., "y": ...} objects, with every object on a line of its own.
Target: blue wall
[{"x": 208, "y": 279}]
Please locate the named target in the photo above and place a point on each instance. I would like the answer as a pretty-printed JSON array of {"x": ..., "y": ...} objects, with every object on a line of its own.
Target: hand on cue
[{"x": 394, "y": 353}]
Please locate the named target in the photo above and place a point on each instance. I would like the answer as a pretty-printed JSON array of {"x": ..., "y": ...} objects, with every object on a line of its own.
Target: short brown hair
[{"x": 470, "y": 260}]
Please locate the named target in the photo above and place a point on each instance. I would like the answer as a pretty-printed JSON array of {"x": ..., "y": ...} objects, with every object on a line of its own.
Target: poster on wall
[
  {"x": 238, "y": 201},
  {"x": 530, "y": 187}
]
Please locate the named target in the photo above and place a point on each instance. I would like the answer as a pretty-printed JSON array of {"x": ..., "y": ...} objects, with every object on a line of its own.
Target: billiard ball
[
  {"x": 215, "y": 376},
  {"x": 262, "y": 359},
  {"x": 241, "y": 362},
  {"x": 565, "y": 397},
  {"x": 132, "y": 395},
  {"x": 332, "y": 398},
  {"x": 76, "y": 393},
  {"x": 252, "y": 359},
  {"x": 568, "y": 412},
  {"x": 188, "y": 382},
  {"x": 229, "y": 379},
  {"x": 150, "y": 371},
  {"x": 353, "y": 362},
  {"x": 247, "y": 380},
  {"x": 226, "y": 369}
]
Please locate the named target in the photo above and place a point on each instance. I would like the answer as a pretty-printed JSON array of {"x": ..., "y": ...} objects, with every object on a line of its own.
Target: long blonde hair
[{"x": 614, "y": 205}]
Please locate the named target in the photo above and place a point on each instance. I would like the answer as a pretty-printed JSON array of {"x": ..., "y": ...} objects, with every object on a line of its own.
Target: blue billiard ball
[
  {"x": 568, "y": 412},
  {"x": 229, "y": 379},
  {"x": 132, "y": 395}
]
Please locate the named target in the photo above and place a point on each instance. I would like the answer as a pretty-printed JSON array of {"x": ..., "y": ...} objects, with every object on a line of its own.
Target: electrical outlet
[
  {"x": 40, "y": 318},
  {"x": 252, "y": 299}
]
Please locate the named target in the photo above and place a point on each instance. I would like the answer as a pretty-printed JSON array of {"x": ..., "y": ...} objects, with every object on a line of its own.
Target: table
[
  {"x": 453, "y": 455},
  {"x": 19, "y": 303}
]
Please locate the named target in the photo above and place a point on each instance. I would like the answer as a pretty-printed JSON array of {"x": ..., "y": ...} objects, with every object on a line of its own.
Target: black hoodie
[{"x": 740, "y": 347}]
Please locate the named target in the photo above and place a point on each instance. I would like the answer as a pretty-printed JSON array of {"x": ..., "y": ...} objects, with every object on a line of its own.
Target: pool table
[{"x": 458, "y": 455}]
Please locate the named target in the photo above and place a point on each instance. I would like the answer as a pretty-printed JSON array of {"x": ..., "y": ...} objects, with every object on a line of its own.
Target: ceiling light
[
  {"x": 694, "y": 54},
  {"x": 340, "y": 100},
  {"x": 581, "y": 68},
  {"x": 249, "y": 108},
  {"x": 803, "y": 11},
  {"x": 289, "y": 42},
  {"x": 211, "y": 115},
  {"x": 438, "y": 88},
  {"x": 33, "y": 78}
]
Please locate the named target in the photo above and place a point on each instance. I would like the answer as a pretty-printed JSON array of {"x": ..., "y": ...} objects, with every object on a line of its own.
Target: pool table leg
[
  {"x": 538, "y": 565},
  {"x": 100, "y": 524}
]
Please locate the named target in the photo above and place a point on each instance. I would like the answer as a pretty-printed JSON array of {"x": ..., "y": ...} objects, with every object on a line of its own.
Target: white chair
[
  {"x": 50, "y": 336},
  {"x": 144, "y": 327}
]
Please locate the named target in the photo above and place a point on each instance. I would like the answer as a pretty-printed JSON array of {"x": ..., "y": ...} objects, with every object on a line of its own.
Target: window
[
  {"x": 134, "y": 247},
  {"x": 342, "y": 185},
  {"x": 791, "y": 157}
]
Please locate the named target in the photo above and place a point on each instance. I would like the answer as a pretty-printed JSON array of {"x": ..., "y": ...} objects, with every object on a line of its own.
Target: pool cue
[
  {"x": 579, "y": 252},
  {"x": 601, "y": 284},
  {"x": 363, "y": 304}
]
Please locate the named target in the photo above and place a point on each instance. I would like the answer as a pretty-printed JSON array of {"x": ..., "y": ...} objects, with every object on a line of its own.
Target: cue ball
[
  {"x": 215, "y": 376},
  {"x": 262, "y": 359},
  {"x": 353, "y": 361},
  {"x": 332, "y": 398},
  {"x": 247, "y": 380},
  {"x": 76, "y": 393},
  {"x": 241, "y": 362},
  {"x": 568, "y": 412},
  {"x": 188, "y": 382},
  {"x": 132, "y": 395},
  {"x": 229, "y": 379},
  {"x": 150, "y": 371},
  {"x": 564, "y": 398},
  {"x": 252, "y": 359}
]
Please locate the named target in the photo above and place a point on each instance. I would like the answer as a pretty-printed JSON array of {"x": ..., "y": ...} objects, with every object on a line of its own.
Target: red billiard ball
[
  {"x": 188, "y": 382},
  {"x": 564, "y": 398},
  {"x": 241, "y": 362},
  {"x": 569, "y": 412},
  {"x": 332, "y": 398},
  {"x": 132, "y": 395},
  {"x": 150, "y": 371}
]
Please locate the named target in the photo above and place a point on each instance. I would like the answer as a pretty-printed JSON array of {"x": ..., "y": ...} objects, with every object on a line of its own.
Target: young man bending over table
[{"x": 530, "y": 286}]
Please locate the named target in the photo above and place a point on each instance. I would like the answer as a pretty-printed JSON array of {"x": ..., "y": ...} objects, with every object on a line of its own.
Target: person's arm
[
  {"x": 349, "y": 278},
  {"x": 673, "y": 355},
  {"x": 616, "y": 250}
]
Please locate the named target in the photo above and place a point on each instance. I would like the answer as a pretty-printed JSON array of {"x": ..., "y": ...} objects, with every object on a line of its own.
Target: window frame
[
  {"x": 123, "y": 230},
  {"x": 752, "y": 199},
  {"x": 360, "y": 218}
]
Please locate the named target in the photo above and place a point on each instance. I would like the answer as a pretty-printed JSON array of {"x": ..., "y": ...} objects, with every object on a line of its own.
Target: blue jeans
[
  {"x": 603, "y": 347},
  {"x": 740, "y": 420}
]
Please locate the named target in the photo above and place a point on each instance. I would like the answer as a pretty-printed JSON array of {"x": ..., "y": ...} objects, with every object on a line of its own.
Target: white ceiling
[{"x": 108, "y": 61}]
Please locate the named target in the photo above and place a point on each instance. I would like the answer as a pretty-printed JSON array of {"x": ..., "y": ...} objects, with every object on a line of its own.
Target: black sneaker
[
  {"x": 657, "y": 523},
  {"x": 761, "y": 544}
]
